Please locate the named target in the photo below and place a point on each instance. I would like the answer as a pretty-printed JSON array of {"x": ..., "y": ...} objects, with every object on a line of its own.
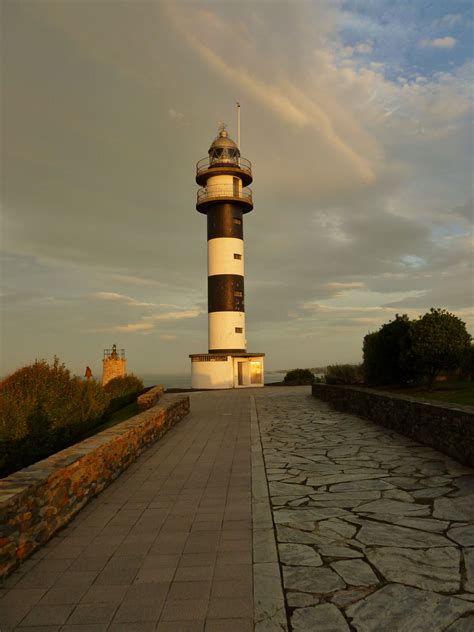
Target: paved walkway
[{"x": 374, "y": 532}]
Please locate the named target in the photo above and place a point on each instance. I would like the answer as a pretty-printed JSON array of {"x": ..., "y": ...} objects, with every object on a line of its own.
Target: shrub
[
  {"x": 120, "y": 386},
  {"x": 344, "y": 374},
  {"x": 122, "y": 391},
  {"x": 299, "y": 377},
  {"x": 467, "y": 364},
  {"x": 42, "y": 409},
  {"x": 404, "y": 351},
  {"x": 383, "y": 353},
  {"x": 437, "y": 341},
  {"x": 63, "y": 399}
]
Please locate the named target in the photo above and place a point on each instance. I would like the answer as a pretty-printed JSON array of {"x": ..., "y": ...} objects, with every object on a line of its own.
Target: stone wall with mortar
[
  {"x": 446, "y": 427},
  {"x": 149, "y": 399},
  {"x": 37, "y": 501}
]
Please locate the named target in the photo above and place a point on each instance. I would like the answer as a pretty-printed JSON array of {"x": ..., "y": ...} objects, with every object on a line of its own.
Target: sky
[{"x": 356, "y": 116}]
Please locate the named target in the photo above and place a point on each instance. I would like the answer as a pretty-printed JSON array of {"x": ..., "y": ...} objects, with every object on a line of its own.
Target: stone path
[
  {"x": 375, "y": 532},
  {"x": 366, "y": 531}
]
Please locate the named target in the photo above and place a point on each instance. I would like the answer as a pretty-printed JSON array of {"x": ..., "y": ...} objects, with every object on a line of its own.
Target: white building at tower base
[{"x": 236, "y": 370}]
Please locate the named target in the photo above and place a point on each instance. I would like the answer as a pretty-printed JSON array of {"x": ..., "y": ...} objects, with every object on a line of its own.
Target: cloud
[
  {"x": 135, "y": 280},
  {"x": 362, "y": 162},
  {"x": 174, "y": 114},
  {"x": 168, "y": 337},
  {"x": 439, "y": 42},
  {"x": 448, "y": 21},
  {"x": 279, "y": 95},
  {"x": 190, "y": 313},
  {"x": 364, "y": 48},
  {"x": 131, "y": 328},
  {"x": 337, "y": 289},
  {"x": 148, "y": 323},
  {"x": 113, "y": 296}
]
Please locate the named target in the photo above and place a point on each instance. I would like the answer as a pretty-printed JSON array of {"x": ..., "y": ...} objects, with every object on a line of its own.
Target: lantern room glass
[{"x": 224, "y": 155}]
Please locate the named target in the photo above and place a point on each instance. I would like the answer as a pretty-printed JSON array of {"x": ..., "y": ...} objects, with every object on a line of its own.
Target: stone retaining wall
[
  {"x": 446, "y": 427},
  {"x": 40, "y": 499},
  {"x": 150, "y": 398}
]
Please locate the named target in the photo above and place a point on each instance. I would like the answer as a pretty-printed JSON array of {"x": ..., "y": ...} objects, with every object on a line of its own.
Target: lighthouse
[{"x": 224, "y": 197}]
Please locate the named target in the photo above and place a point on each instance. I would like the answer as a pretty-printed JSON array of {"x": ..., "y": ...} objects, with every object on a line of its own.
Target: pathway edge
[{"x": 269, "y": 601}]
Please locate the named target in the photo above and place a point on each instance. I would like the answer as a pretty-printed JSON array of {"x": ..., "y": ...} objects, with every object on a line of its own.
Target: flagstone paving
[
  {"x": 263, "y": 510},
  {"x": 374, "y": 531}
]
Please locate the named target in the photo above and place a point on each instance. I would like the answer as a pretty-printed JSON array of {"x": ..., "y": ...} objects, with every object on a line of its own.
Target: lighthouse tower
[{"x": 224, "y": 197}]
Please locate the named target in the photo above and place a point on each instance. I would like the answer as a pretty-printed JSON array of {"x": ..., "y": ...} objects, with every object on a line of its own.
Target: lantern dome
[{"x": 223, "y": 150}]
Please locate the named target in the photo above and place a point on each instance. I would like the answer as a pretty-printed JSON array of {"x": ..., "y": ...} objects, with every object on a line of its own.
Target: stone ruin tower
[{"x": 113, "y": 364}]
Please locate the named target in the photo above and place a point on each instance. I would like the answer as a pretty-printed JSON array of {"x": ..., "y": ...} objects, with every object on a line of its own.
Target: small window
[
  {"x": 237, "y": 221},
  {"x": 237, "y": 256},
  {"x": 240, "y": 294},
  {"x": 239, "y": 330}
]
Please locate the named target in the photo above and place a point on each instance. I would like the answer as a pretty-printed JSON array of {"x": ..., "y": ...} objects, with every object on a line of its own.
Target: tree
[
  {"x": 383, "y": 353},
  {"x": 437, "y": 341}
]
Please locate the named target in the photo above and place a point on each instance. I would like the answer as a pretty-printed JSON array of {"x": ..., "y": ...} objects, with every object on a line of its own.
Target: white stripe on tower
[
  {"x": 225, "y": 255},
  {"x": 226, "y": 330}
]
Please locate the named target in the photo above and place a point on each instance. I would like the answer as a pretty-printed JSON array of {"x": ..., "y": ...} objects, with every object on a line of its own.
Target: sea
[{"x": 184, "y": 380}]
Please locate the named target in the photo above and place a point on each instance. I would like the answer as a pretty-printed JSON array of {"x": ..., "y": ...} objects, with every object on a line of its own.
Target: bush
[
  {"x": 467, "y": 364},
  {"x": 122, "y": 391},
  {"x": 437, "y": 341},
  {"x": 344, "y": 374},
  {"x": 42, "y": 409},
  {"x": 298, "y": 377},
  {"x": 120, "y": 386},
  {"x": 383, "y": 353},
  {"x": 64, "y": 400},
  {"x": 404, "y": 351}
]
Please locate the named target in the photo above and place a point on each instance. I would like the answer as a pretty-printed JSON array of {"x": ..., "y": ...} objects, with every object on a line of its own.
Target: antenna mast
[{"x": 238, "y": 125}]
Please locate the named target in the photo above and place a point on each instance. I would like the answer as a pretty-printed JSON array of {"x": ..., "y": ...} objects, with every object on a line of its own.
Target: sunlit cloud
[
  {"x": 338, "y": 289},
  {"x": 131, "y": 328},
  {"x": 283, "y": 97},
  {"x": 439, "y": 42},
  {"x": 190, "y": 313},
  {"x": 113, "y": 296}
]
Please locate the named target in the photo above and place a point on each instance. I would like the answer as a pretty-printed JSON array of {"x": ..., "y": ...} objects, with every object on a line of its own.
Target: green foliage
[
  {"x": 410, "y": 352},
  {"x": 383, "y": 353},
  {"x": 299, "y": 377},
  {"x": 64, "y": 400},
  {"x": 467, "y": 363},
  {"x": 344, "y": 374},
  {"x": 42, "y": 409},
  {"x": 122, "y": 391},
  {"x": 437, "y": 341},
  {"x": 120, "y": 386}
]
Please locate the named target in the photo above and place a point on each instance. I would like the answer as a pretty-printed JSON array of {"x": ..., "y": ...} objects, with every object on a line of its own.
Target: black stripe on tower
[
  {"x": 225, "y": 293},
  {"x": 224, "y": 220}
]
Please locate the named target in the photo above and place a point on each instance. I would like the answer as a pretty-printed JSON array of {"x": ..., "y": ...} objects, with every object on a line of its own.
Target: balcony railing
[
  {"x": 208, "y": 163},
  {"x": 216, "y": 191}
]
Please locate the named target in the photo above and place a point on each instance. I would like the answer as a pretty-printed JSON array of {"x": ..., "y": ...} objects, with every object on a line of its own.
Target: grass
[{"x": 454, "y": 392}]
